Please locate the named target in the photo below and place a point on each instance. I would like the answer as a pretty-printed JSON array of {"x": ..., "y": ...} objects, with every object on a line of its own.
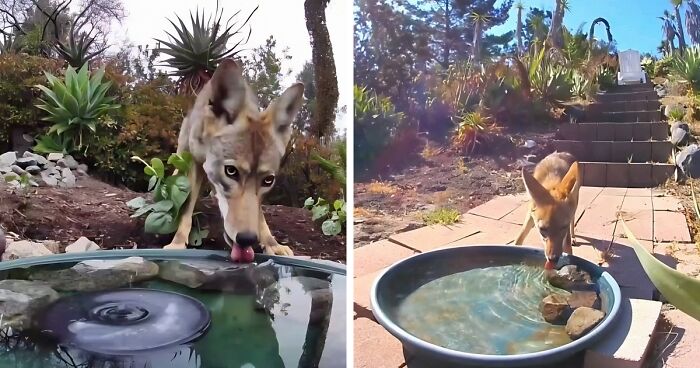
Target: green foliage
[
  {"x": 264, "y": 71},
  {"x": 333, "y": 216},
  {"x": 18, "y": 73},
  {"x": 169, "y": 193},
  {"x": 147, "y": 126},
  {"x": 77, "y": 50},
  {"x": 686, "y": 67},
  {"x": 197, "y": 50},
  {"x": 375, "y": 125},
  {"x": 657, "y": 68},
  {"x": 469, "y": 128},
  {"x": 679, "y": 289},
  {"x": 582, "y": 87},
  {"x": 441, "y": 216},
  {"x": 74, "y": 107},
  {"x": 606, "y": 78},
  {"x": 335, "y": 169},
  {"x": 676, "y": 113}
]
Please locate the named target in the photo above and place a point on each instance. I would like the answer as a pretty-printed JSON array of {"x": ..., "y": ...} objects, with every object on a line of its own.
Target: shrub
[
  {"x": 469, "y": 130},
  {"x": 686, "y": 67},
  {"x": 376, "y": 123},
  {"x": 18, "y": 75},
  {"x": 146, "y": 126},
  {"x": 441, "y": 216},
  {"x": 75, "y": 108}
]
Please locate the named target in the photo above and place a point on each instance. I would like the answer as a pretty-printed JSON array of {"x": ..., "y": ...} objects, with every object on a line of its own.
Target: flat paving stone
[
  {"x": 374, "y": 346},
  {"x": 378, "y": 255},
  {"x": 641, "y": 223},
  {"x": 517, "y": 216},
  {"x": 638, "y": 192},
  {"x": 666, "y": 203},
  {"x": 361, "y": 288},
  {"x": 600, "y": 216},
  {"x": 614, "y": 191},
  {"x": 679, "y": 340},
  {"x": 435, "y": 236},
  {"x": 506, "y": 236},
  {"x": 499, "y": 207},
  {"x": 627, "y": 344},
  {"x": 670, "y": 226}
]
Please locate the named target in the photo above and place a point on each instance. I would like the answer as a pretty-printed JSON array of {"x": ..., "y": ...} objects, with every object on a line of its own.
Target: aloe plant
[
  {"x": 678, "y": 288},
  {"x": 197, "y": 51},
  {"x": 77, "y": 50},
  {"x": 686, "y": 67},
  {"x": 75, "y": 107}
]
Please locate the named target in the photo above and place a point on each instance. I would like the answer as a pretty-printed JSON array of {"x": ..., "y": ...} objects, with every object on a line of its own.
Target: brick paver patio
[{"x": 655, "y": 218}]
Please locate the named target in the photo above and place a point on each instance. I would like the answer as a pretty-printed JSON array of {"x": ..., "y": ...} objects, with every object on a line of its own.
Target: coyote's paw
[
  {"x": 279, "y": 250},
  {"x": 175, "y": 246}
]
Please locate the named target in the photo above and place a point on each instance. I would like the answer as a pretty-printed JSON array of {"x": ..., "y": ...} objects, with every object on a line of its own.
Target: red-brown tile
[{"x": 378, "y": 255}]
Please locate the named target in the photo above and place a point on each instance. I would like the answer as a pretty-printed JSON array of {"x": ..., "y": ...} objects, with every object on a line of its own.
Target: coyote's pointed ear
[
  {"x": 228, "y": 90},
  {"x": 571, "y": 180},
  {"x": 537, "y": 192},
  {"x": 284, "y": 109}
]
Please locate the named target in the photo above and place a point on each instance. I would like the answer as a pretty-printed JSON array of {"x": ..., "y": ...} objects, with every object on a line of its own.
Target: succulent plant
[
  {"x": 197, "y": 51},
  {"x": 77, "y": 50},
  {"x": 75, "y": 107}
]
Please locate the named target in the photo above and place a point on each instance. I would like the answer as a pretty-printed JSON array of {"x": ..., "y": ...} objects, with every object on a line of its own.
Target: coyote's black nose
[
  {"x": 246, "y": 239},
  {"x": 554, "y": 259}
]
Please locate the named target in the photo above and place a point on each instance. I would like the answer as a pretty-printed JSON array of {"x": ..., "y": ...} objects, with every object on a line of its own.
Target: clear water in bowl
[{"x": 493, "y": 311}]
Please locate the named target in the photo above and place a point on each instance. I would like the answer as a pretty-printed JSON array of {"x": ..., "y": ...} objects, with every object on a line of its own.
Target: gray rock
[
  {"x": 21, "y": 300},
  {"x": 5, "y": 169},
  {"x": 54, "y": 156},
  {"x": 82, "y": 245},
  {"x": 17, "y": 170},
  {"x": 182, "y": 273},
  {"x": 69, "y": 162},
  {"x": 24, "y": 249},
  {"x": 68, "y": 179},
  {"x": 680, "y": 125},
  {"x": 3, "y": 241},
  {"x": 8, "y": 159},
  {"x": 25, "y": 162},
  {"x": 33, "y": 170},
  {"x": 555, "y": 309},
  {"x": 40, "y": 160},
  {"x": 570, "y": 277},
  {"x": 82, "y": 169},
  {"x": 582, "y": 321},
  {"x": 49, "y": 179},
  {"x": 33, "y": 183},
  {"x": 96, "y": 275},
  {"x": 679, "y": 137},
  {"x": 588, "y": 299},
  {"x": 688, "y": 160}
]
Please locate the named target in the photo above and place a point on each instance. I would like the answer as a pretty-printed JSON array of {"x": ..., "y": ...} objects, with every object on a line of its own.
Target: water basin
[
  {"x": 163, "y": 308},
  {"x": 478, "y": 306}
]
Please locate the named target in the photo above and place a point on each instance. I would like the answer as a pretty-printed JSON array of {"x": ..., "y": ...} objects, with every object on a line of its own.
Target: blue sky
[{"x": 633, "y": 23}]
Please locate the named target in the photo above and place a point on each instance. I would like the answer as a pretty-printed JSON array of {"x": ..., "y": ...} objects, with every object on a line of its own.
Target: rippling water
[{"x": 491, "y": 311}]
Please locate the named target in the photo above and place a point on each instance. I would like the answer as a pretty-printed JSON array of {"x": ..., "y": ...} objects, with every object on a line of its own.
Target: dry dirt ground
[
  {"x": 396, "y": 202},
  {"x": 98, "y": 211}
]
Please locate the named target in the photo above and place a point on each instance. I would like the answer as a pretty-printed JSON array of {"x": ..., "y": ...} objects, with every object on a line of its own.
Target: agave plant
[
  {"x": 75, "y": 107},
  {"x": 686, "y": 67},
  {"x": 197, "y": 51},
  {"x": 469, "y": 129},
  {"x": 77, "y": 50}
]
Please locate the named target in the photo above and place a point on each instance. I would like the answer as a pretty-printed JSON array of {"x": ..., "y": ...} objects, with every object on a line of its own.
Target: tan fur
[
  {"x": 226, "y": 129},
  {"x": 553, "y": 191}
]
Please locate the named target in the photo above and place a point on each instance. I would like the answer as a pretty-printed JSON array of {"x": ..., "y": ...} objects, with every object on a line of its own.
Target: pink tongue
[{"x": 243, "y": 255}]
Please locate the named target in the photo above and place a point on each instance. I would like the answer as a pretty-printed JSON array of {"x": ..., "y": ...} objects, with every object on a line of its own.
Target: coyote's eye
[
  {"x": 231, "y": 172},
  {"x": 268, "y": 181}
]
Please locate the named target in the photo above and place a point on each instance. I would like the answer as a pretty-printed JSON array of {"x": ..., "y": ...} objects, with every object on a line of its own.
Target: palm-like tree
[
  {"x": 519, "y": 30},
  {"x": 669, "y": 30},
  {"x": 679, "y": 21},
  {"x": 556, "y": 35},
  {"x": 692, "y": 21},
  {"x": 479, "y": 21}
]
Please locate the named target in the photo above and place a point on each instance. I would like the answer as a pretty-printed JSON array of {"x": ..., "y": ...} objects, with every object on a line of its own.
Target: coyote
[
  {"x": 239, "y": 149},
  {"x": 553, "y": 191}
]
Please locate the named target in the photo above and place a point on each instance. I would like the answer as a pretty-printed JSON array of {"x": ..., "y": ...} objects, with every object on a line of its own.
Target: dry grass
[
  {"x": 461, "y": 166},
  {"x": 430, "y": 150},
  {"x": 378, "y": 187},
  {"x": 362, "y": 212}
]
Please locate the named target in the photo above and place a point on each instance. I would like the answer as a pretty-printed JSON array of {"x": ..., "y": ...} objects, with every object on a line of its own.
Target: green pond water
[
  {"x": 297, "y": 330},
  {"x": 492, "y": 311}
]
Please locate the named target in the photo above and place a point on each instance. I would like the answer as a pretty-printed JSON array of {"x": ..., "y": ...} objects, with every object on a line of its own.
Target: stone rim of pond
[{"x": 414, "y": 345}]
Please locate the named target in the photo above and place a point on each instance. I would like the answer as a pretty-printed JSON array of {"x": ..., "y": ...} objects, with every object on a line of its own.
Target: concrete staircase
[{"x": 623, "y": 141}]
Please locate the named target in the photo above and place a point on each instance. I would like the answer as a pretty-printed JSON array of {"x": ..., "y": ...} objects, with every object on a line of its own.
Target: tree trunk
[
  {"x": 476, "y": 43},
  {"x": 681, "y": 33},
  {"x": 446, "y": 46},
  {"x": 519, "y": 32},
  {"x": 324, "y": 68},
  {"x": 555, "y": 36}
]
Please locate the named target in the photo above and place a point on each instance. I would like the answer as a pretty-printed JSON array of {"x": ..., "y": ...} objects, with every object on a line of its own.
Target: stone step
[
  {"x": 617, "y": 151},
  {"x": 639, "y": 105},
  {"x": 646, "y": 116},
  {"x": 625, "y": 175},
  {"x": 613, "y": 132},
  {"x": 631, "y": 88},
  {"x": 627, "y": 96}
]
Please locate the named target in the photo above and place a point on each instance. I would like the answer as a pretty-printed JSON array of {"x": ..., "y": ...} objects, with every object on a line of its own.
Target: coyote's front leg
[
  {"x": 268, "y": 242},
  {"x": 196, "y": 176}
]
